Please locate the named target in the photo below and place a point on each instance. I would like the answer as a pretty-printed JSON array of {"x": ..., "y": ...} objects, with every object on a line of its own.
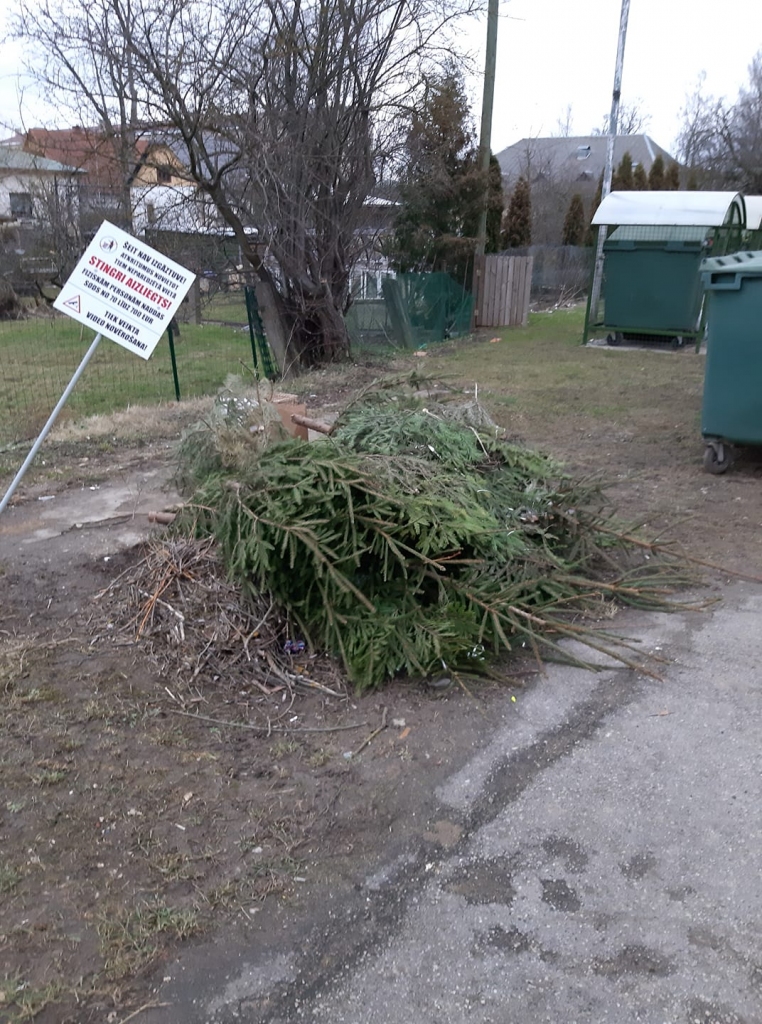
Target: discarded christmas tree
[{"x": 414, "y": 539}]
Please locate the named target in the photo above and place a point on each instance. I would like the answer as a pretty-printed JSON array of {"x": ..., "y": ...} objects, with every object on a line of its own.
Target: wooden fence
[{"x": 502, "y": 290}]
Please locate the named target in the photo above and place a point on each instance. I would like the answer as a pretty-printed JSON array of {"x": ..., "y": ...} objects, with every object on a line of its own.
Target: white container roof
[
  {"x": 753, "y": 212},
  {"x": 700, "y": 209}
]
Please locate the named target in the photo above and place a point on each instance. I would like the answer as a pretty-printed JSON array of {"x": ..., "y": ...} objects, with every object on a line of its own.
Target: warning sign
[{"x": 125, "y": 290}]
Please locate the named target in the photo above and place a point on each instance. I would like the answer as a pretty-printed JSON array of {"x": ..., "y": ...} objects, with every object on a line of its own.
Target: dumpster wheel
[
  {"x": 718, "y": 457},
  {"x": 615, "y": 338}
]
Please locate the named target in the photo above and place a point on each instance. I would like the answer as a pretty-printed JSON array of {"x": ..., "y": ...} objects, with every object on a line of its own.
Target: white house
[{"x": 34, "y": 189}]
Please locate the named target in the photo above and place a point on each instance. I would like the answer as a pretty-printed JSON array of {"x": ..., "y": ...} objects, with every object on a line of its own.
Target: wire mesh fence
[
  {"x": 559, "y": 272},
  {"x": 40, "y": 351}
]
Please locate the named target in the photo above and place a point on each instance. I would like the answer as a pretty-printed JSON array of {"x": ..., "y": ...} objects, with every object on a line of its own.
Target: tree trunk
[{"x": 321, "y": 334}]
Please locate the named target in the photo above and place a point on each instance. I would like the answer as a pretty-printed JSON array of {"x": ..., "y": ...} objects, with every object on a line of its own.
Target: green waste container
[
  {"x": 732, "y": 407},
  {"x": 651, "y": 282}
]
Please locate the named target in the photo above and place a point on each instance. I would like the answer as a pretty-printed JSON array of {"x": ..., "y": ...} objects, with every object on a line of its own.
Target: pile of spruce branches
[{"x": 411, "y": 540}]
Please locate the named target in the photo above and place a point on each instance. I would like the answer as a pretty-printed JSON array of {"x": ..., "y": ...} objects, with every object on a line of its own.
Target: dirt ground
[{"x": 129, "y": 822}]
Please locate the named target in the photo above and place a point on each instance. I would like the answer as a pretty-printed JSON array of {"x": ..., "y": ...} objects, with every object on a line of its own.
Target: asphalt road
[{"x": 599, "y": 861}]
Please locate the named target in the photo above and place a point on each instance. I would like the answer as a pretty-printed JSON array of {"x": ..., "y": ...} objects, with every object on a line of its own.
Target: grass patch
[
  {"x": 130, "y": 939},
  {"x": 37, "y": 695},
  {"x": 49, "y": 776},
  {"x": 230, "y": 306},
  {"x": 283, "y": 748},
  {"x": 9, "y": 878},
  {"x": 20, "y": 1001},
  {"x": 541, "y": 377},
  {"x": 39, "y": 356}
]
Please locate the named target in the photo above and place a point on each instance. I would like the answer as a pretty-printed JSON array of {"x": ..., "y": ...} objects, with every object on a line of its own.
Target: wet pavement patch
[
  {"x": 567, "y": 850},
  {"x": 681, "y": 893},
  {"x": 559, "y": 895},
  {"x": 508, "y": 940},
  {"x": 635, "y": 959},
  {"x": 701, "y": 1012},
  {"x": 638, "y": 866},
  {"x": 484, "y": 881}
]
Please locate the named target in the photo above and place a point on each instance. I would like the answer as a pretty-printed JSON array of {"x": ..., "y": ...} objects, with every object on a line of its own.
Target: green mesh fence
[{"x": 413, "y": 310}]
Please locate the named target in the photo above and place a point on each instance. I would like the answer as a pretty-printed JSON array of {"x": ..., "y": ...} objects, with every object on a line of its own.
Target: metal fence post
[{"x": 171, "y": 336}]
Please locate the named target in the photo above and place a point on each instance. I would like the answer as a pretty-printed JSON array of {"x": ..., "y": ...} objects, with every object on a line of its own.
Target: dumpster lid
[
  {"x": 710, "y": 209},
  {"x": 658, "y": 233},
  {"x": 736, "y": 263},
  {"x": 753, "y": 212}
]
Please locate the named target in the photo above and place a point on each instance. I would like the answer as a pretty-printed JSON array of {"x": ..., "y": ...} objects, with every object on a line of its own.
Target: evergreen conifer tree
[
  {"x": 624, "y": 174},
  {"x": 640, "y": 179},
  {"x": 574, "y": 224},
  {"x": 591, "y": 231},
  {"x": 495, "y": 206},
  {"x": 672, "y": 177},
  {"x": 518, "y": 224},
  {"x": 442, "y": 187},
  {"x": 656, "y": 174}
]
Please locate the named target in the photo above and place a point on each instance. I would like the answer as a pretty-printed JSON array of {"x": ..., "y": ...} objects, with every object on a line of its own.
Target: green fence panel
[{"x": 416, "y": 309}]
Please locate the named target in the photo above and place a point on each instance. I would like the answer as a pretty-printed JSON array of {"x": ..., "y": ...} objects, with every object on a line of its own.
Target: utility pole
[
  {"x": 485, "y": 135},
  {"x": 595, "y": 290}
]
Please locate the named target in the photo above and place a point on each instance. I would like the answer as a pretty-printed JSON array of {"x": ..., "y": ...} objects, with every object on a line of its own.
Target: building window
[
  {"x": 151, "y": 213},
  {"x": 583, "y": 152},
  {"x": 164, "y": 175},
  {"x": 21, "y": 204}
]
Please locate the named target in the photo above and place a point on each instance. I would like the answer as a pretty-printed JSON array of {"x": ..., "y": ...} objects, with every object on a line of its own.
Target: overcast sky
[{"x": 558, "y": 53}]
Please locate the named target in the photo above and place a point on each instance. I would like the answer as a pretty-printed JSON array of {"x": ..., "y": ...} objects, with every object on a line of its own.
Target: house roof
[
  {"x": 13, "y": 159},
  {"x": 579, "y": 157},
  {"x": 710, "y": 209},
  {"x": 88, "y": 149}
]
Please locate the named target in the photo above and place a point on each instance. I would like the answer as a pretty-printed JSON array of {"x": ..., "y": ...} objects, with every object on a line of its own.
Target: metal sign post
[{"x": 51, "y": 420}]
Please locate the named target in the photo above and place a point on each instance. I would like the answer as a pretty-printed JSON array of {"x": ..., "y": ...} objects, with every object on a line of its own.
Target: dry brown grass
[{"x": 138, "y": 422}]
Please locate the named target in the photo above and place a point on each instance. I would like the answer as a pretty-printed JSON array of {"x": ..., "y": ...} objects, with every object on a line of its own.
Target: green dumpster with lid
[
  {"x": 651, "y": 258},
  {"x": 732, "y": 406},
  {"x": 652, "y": 283}
]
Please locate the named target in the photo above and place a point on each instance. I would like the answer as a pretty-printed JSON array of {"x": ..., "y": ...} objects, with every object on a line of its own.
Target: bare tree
[
  {"x": 54, "y": 241},
  {"x": 698, "y": 143},
  {"x": 286, "y": 113},
  {"x": 722, "y": 143},
  {"x": 565, "y": 124},
  {"x": 81, "y": 57},
  {"x": 741, "y": 133},
  {"x": 632, "y": 120}
]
